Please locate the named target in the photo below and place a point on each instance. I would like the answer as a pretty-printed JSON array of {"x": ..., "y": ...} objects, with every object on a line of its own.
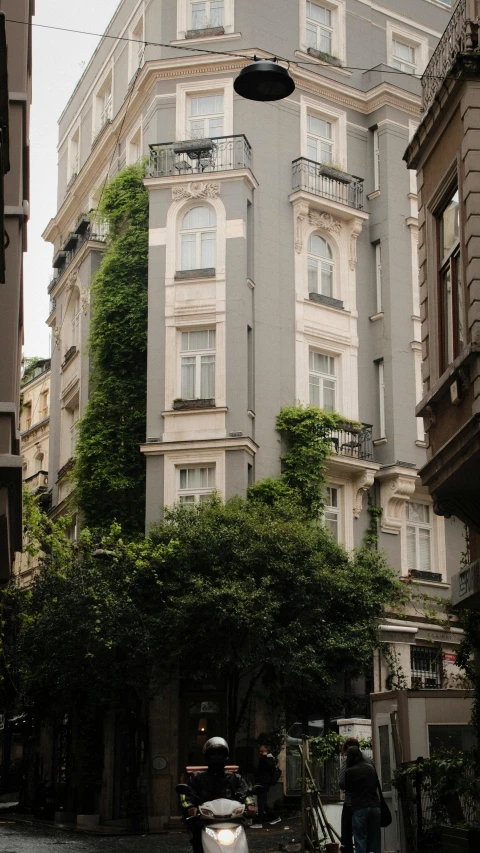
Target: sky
[{"x": 58, "y": 62}]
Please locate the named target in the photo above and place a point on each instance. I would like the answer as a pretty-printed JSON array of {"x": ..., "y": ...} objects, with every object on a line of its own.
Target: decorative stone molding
[
  {"x": 72, "y": 280},
  {"x": 56, "y": 335},
  {"x": 85, "y": 300},
  {"x": 302, "y": 214},
  {"x": 356, "y": 229},
  {"x": 397, "y": 485},
  {"x": 325, "y": 221},
  {"x": 361, "y": 484},
  {"x": 196, "y": 189},
  {"x": 461, "y": 506}
]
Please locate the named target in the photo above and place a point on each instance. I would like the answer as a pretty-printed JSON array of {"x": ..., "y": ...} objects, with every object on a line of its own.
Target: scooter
[{"x": 223, "y": 824}]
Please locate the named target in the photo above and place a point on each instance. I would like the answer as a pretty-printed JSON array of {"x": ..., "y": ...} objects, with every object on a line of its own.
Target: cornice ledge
[{"x": 397, "y": 485}]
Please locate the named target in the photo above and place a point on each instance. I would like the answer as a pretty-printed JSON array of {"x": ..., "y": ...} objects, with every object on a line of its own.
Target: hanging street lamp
[{"x": 264, "y": 80}]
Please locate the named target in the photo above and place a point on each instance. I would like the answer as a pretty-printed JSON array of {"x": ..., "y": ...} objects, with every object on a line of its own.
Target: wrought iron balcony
[
  {"x": 460, "y": 36},
  {"x": 327, "y": 182},
  {"x": 95, "y": 230},
  {"x": 197, "y": 156},
  {"x": 350, "y": 440}
]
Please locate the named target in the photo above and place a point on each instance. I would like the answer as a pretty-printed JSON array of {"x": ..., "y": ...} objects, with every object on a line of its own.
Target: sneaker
[
  {"x": 275, "y": 820},
  {"x": 256, "y": 826}
]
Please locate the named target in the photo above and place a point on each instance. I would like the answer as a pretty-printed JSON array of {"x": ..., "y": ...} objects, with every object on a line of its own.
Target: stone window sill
[
  {"x": 326, "y": 300},
  {"x": 189, "y": 275}
]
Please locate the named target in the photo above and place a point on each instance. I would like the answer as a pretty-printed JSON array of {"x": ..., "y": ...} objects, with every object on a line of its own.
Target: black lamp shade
[{"x": 264, "y": 81}]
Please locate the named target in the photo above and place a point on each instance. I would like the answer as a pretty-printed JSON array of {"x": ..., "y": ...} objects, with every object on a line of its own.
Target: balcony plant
[
  {"x": 328, "y": 58},
  {"x": 180, "y": 403},
  {"x": 332, "y": 170}
]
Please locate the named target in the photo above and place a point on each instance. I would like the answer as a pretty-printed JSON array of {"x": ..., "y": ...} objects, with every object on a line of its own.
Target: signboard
[
  {"x": 159, "y": 763},
  {"x": 466, "y": 587},
  {"x": 450, "y": 658}
]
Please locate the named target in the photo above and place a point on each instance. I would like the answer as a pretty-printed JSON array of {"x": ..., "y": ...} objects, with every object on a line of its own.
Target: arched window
[
  {"x": 198, "y": 239},
  {"x": 39, "y": 462},
  {"x": 75, "y": 319},
  {"x": 320, "y": 266}
]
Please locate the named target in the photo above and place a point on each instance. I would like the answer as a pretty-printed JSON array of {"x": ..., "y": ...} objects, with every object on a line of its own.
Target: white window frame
[
  {"x": 76, "y": 314},
  {"x": 376, "y": 161},
  {"x": 208, "y": 23},
  {"x": 437, "y": 541},
  {"x": 381, "y": 399},
  {"x": 418, "y": 526},
  {"x": 328, "y": 261},
  {"x": 335, "y": 512},
  {"x": 197, "y": 493},
  {"x": 204, "y": 229},
  {"x": 338, "y": 119},
  {"x": 106, "y": 84},
  {"x": 205, "y": 117},
  {"x": 74, "y": 142},
  {"x": 325, "y": 141},
  {"x": 331, "y": 377},
  {"x": 197, "y": 354},
  {"x": 203, "y": 87},
  {"x": 378, "y": 276},
  {"x": 184, "y": 18},
  {"x": 338, "y": 10},
  {"x": 134, "y": 140},
  {"x": 136, "y": 47},
  {"x": 413, "y": 39}
]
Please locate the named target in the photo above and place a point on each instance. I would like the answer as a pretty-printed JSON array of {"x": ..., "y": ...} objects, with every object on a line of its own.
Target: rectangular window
[
  {"x": 319, "y": 27},
  {"x": 385, "y": 763},
  {"x": 381, "y": 399},
  {"x": 426, "y": 665},
  {"x": 376, "y": 161},
  {"x": 44, "y": 404},
  {"x": 206, "y": 14},
  {"x": 75, "y": 414},
  {"x": 322, "y": 381},
  {"x": 198, "y": 367},
  {"x": 452, "y": 322},
  {"x": 74, "y": 155},
  {"x": 378, "y": 276},
  {"x": 331, "y": 513},
  {"x": 319, "y": 139},
  {"x": 104, "y": 104},
  {"x": 28, "y": 415},
  {"x": 205, "y": 116},
  {"x": 403, "y": 57},
  {"x": 136, "y": 47},
  {"x": 452, "y": 739},
  {"x": 195, "y": 484},
  {"x": 419, "y": 535}
]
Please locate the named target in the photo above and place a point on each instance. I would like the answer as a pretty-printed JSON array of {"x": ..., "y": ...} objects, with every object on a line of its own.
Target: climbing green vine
[{"x": 110, "y": 470}]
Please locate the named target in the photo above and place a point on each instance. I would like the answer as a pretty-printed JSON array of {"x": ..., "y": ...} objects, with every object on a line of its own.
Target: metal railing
[
  {"x": 352, "y": 441},
  {"x": 460, "y": 36},
  {"x": 97, "y": 230},
  {"x": 321, "y": 180},
  {"x": 197, "y": 156},
  {"x": 426, "y": 668}
]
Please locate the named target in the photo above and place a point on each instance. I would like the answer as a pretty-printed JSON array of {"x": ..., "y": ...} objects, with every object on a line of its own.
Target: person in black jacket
[
  {"x": 265, "y": 776},
  {"x": 212, "y": 784},
  {"x": 361, "y": 783}
]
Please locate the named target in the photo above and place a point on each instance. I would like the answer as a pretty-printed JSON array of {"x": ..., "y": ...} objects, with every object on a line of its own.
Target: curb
[{"x": 74, "y": 830}]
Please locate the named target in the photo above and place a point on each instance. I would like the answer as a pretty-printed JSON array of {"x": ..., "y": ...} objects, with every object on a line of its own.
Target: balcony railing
[
  {"x": 96, "y": 230},
  {"x": 197, "y": 156},
  {"x": 349, "y": 440},
  {"x": 324, "y": 181},
  {"x": 460, "y": 36}
]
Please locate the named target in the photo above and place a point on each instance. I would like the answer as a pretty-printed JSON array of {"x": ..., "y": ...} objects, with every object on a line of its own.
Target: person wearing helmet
[{"x": 212, "y": 784}]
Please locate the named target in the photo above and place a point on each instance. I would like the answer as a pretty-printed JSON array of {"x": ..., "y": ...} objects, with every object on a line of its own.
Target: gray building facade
[{"x": 282, "y": 263}]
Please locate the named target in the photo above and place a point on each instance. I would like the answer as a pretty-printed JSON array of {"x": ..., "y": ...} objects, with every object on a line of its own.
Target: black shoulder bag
[{"x": 385, "y": 813}]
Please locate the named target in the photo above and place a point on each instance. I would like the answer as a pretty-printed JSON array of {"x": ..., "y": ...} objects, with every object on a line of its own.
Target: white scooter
[{"x": 224, "y": 825}]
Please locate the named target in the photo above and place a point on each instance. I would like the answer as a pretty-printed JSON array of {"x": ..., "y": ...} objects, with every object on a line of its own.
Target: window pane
[
  {"x": 424, "y": 549},
  {"x": 216, "y": 13},
  {"x": 314, "y": 390},
  {"x": 404, "y": 51},
  {"x": 411, "y": 548},
  {"x": 418, "y": 512},
  {"x": 198, "y": 16},
  {"x": 199, "y": 217},
  {"x": 460, "y": 306},
  {"x": 215, "y": 127},
  {"x": 198, "y": 129},
  {"x": 319, "y": 13},
  {"x": 207, "y": 377},
  {"x": 322, "y": 363},
  {"x": 183, "y": 478},
  {"x": 331, "y": 523},
  {"x": 449, "y": 225},
  {"x": 325, "y": 41},
  {"x": 319, "y": 247},
  {"x": 447, "y": 316},
  {"x": 312, "y": 276},
  {"x": 327, "y": 279},
  {"x": 311, "y": 148},
  {"x": 329, "y": 395},
  {"x": 188, "y": 378},
  {"x": 332, "y": 496},
  {"x": 187, "y": 499},
  {"x": 188, "y": 261},
  {"x": 319, "y": 127},
  {"x": 207, "y": 255}
]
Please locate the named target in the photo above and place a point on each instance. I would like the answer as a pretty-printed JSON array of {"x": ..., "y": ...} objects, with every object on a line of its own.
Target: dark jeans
[
  {"x": 264, "y": 810},
  {"x": 366, "y": 830},
  {"x": 347, "y": 831}
]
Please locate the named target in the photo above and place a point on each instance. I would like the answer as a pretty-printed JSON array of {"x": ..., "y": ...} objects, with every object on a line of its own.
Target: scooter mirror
[{"x": 182, "y": 789}]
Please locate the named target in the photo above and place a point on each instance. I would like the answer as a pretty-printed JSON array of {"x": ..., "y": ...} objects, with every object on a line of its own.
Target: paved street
[{"x": 25, "y": 838}]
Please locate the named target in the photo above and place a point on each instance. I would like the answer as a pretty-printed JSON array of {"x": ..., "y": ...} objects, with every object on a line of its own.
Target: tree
[{"x": 110, "y": 470}]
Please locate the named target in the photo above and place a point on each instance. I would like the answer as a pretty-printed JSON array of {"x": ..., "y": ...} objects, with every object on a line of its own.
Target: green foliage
[
  {"x": 305, "y": 431},
  {"x": 110, "y": 470},
  {"x": 448, "y": 781},
  {"x": 29, "y": 365},
  {"x": 330, "y": 745},
  {"x": 396, "y": 678},
  {"x": 371, "y": 535}
]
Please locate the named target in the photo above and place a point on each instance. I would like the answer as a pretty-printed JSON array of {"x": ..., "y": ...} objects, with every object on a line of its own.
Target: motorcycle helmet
[{"x": 216, "y": 753}]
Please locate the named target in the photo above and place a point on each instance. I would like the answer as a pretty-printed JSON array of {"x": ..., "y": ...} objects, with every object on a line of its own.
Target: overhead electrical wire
[{"x": 201, "y": 52}]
